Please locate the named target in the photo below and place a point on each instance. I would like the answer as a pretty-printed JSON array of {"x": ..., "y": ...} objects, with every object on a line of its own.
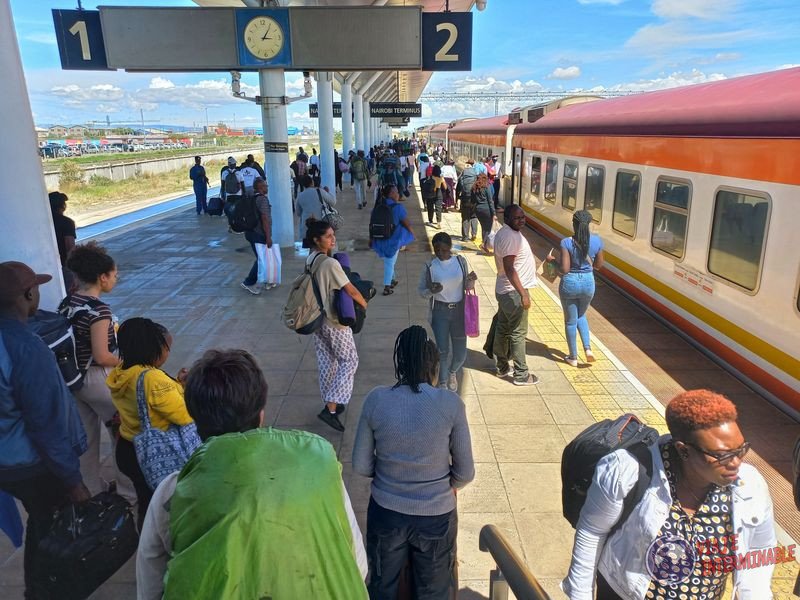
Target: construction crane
[{"x": 531, "y": 97}]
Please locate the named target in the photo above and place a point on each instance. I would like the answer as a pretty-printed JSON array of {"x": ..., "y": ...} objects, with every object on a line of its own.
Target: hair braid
[
  {"x": 415, "y": 358},
  {"x": 580, "y": 225}
]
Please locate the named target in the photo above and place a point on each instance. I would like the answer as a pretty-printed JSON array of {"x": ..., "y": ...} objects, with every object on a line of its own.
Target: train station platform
[{"x": 184, "y": 272}]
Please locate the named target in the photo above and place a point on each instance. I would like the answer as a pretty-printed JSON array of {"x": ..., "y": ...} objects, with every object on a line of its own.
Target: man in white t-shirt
[
  {"x": 516, "y": 274},
  {"x": 249, "y": 174}
]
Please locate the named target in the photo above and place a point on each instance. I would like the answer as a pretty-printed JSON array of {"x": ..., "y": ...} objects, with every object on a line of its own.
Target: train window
[
  {"x": 626, "y": 203},
  {"x": 593, "y": 197},
  {"x": 550, "y": 179},
  {"x": 536, "y": 177},
  {"x": 569, "y": 185},
  {"x": 737, "y": 237},
  {"x": 671, "y": 217}
]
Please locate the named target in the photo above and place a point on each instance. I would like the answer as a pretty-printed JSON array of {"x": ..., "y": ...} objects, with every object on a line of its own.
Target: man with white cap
[
  {"x": 41, "y": 436},
  {"x": 231, "y": 181}
]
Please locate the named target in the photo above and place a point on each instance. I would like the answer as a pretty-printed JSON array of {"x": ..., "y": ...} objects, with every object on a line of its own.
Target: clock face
[{"x": 263, "y": 37}]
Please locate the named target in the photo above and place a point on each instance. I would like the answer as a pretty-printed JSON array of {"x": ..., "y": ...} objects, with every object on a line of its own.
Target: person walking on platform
[
  {"x": 95, "y": 347},
  {"x": 703, "y": 505},
  {"x": 337, "y": 170},
  {"x": 445, "y": 280},
  {"x": 41, "y": 436},
  {"x": 433, "y": 190},
  {"x": 516, "y": 274},
  {"x": 469, "y": 218},
  {"x": 388, "y": 248},
  {"x": 314, "y": 167},
  {"x": 63, "y": 225},
  {"x": 309, "y": 203},
  {"x": 414, "y": 442},
  {"x": 337, "y": 357},
  {"x": 580, "y": 255},
  {"x": 262, "y": 234},
  {"x": 249, "y": 175},
  {"x": 200, "y": 185},
  {"x": 231, "y": 182},
  {"x": 251, "y": 160},
  {"x": 360, "y": 172},
  {"x": 256, "y": 512},
  {"x": 481, "y": 197}
]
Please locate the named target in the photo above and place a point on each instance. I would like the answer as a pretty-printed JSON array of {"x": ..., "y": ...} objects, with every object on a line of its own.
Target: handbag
[
  {"x": 548, "y": 269},
  {"x": 86, "y": 544},
  {"x": 269, "y": 263},
  {"x": 160, "y": 453},
  {"x": 329, "y": 214},
  {"x": 472, "y": 324}
]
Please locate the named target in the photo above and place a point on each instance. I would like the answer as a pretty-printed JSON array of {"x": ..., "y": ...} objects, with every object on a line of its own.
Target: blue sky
[{"x": 519, "y": 45}]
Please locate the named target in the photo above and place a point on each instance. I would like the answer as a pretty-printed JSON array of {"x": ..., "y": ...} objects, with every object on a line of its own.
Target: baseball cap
[
  {"x": 16, "y": 278},
  {"x": 231, "y": 161}
]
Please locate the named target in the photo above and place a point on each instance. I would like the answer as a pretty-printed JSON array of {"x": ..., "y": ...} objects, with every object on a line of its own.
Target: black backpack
[
  {"x": 582, "y": 454},
  {"x": 244, "y": 215},
  {"x": 381, "y": 221},
  {"x": 56, "y": 331},
  {"x": 429, "y": 191},
  {"x": 232, "y": 183}
]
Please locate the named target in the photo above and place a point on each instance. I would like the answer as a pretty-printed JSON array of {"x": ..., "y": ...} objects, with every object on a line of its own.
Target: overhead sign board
[
  {"x": 395, "y": 109},
  {"x": 396, "y": 121},
  {"x": 295, "y": 38},
  {"x": 313, "y": 111}
]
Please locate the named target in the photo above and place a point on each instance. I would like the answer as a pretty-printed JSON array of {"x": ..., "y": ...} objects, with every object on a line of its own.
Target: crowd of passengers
[{"x": 263, "y": 512}]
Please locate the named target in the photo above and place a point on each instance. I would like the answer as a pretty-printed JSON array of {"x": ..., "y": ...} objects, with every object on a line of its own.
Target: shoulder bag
[{"x": 329, "y": 214}]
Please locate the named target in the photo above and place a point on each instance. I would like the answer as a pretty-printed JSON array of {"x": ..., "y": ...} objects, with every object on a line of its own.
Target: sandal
[
  {"x": 387, "y": 291},
  {"x": 394, "y": 283}
]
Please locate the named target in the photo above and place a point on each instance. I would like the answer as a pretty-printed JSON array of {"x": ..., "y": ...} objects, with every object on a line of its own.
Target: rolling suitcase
[
  {"x": 214, "y": 206},
  {"x": 86, "y": 545}
]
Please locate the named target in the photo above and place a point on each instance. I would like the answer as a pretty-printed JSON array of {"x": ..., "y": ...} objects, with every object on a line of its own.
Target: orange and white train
[{"x": 696, "y": 194}]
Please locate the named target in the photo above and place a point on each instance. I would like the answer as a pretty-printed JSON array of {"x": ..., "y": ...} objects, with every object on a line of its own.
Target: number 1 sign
[{"x": 80, "y": 39}]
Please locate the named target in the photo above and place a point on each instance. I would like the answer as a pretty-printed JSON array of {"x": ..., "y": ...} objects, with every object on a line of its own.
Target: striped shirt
[{"x": 82, "y": 322}]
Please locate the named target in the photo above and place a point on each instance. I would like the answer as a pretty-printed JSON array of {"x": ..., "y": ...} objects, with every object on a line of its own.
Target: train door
[{"x": 516, "y": 178}]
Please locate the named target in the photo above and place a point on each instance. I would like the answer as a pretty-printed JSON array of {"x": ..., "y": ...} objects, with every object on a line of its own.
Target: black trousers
[
  {"x": 428, "y": 544},
  {"x": 434, "y": 206},
  {"x": 127, "y": 463},
  {"x": 604, "y": 591},
  {"x": 41, "y": 495}
]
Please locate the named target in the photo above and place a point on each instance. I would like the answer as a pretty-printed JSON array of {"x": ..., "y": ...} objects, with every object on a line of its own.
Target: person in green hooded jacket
[{"x": 255, "y": 513}]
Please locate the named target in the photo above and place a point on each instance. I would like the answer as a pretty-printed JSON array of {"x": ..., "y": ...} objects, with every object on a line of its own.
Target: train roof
[
  {"x": 763, "y": 105},
  {"x": 482, "y": 126},
  {"x": 439, "y": 127}
]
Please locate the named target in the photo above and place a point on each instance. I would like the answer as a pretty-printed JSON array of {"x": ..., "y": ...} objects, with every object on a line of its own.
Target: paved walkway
[{"x": 184, "y": 271}]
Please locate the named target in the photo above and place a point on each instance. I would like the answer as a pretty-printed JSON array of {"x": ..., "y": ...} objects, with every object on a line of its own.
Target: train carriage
[{"x": 694, "y": 191}]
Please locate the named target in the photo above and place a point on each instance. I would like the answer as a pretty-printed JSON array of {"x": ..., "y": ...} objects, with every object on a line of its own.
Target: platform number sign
[
  {"x": 80, "y": 39},
  {"x": 447, "y": 41}
]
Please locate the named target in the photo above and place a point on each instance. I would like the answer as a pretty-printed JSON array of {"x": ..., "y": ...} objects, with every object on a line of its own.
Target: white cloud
[
  {"x": 82, "y": 97},
  {"x": 789, "y": 66},
  {"x": 490, "y": 84},
  {"x": 672, "y": 80},
  {"x": 572, "y": 72},
  {"x": 694, "y": 9},
  {"x": 41, "y": 38},
  {"x": 657, "y": 39},
  {"x": 159, "y": 83}
]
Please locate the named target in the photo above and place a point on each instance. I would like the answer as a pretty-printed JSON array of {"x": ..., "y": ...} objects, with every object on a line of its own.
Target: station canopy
[{"x": 391, "y": 86}]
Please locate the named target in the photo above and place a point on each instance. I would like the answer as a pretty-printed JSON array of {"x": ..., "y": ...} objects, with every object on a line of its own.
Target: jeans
[
  {"x": 128, "y": 464},
  {"x": 469, "y": 226},
  {"x": 434, "y": 205},
  {"x": 361, "y": 192},
  {"x": 448, "y": 324},
  {"x": 40, "y": 495},
  {"x": 200, "y": 199},
  {"x": 388, "y": 268},
  {"x": 509, "y": 338},
  {"x": 576, "y": 291},
  {"x": 428, "y": 544},
  {"x": 254, "y": 237},
  {"x": 486, "y": 218}
]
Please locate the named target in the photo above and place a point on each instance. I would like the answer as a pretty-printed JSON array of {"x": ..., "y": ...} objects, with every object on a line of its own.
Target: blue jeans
[
  {"x": 200, "y": 195},
  {"x": 448, "y": 324},
  {"x": 388, "y": 268},
  {"x": 427, "y": 543},
  {"x": 254, "y": 237},
  {"x": 576, "y": 291}
]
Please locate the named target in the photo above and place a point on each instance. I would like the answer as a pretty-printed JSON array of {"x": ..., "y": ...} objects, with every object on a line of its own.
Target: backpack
[
  {"x": 232, "y": 183},
  {"x": 344, "y": 167},
  {"x": 389, "y": 177},
  {"x": 429, "y": 191},
  {"x": 466, "y": 182},
  {"x": 71, "y": 313},
  {"x": 358, "y": 169},
  {"x": 304, "y": 312},
  {"x": 56, "y": 331},
  {"x": 244, "y": 215},
  {"x": 582, "y": 454},
  {"x": 381, "y": 221},
  {"x": 301, "y": 168},
  {"x": 429, "y": 170}
]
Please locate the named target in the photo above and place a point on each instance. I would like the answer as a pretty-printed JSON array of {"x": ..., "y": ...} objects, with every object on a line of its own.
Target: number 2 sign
[
  {"x": 447, "y": 41},
  {"x": 80, "y": 39}
]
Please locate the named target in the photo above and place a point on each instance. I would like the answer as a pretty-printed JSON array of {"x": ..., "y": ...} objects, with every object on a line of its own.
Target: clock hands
[{"x": 267, "y": 33}]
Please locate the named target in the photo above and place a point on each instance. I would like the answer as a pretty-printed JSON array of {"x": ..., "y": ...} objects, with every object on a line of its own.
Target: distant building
[
  {"x": 57, "y": 131},
  {"x": 76, "y": 130}
]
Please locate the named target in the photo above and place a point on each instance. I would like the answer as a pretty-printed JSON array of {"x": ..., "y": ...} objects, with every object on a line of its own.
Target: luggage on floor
[{"x": 215, "y": 205}]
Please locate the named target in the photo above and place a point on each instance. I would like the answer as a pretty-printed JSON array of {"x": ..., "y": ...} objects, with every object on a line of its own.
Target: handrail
[{"x": 514, "y": 571}]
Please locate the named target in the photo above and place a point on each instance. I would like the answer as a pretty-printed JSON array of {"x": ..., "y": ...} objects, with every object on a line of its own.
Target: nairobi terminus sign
[{"x": 395, "y": 109}]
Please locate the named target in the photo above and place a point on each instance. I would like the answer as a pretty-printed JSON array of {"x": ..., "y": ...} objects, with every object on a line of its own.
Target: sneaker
[
  {"x": 571, "y": 361},
  {"x": 452, "y": 382},
  {"x": 531, "y": 380},
  {"x": 330, "y": 419},
  {"x": 503, "y": 372},
  {"x": 340, "y": 408},
  {"x": 251, "y": 288},
  {"x": 589, "y": 355}
]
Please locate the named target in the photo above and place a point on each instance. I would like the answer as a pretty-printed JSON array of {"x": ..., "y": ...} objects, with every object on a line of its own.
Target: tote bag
[
  {"x": 160, "y": 453},
  {"x": 269, "y": 263},
  {"x": 472, "y": 324}
]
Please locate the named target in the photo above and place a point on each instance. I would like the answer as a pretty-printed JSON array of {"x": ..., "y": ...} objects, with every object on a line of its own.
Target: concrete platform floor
[{"x": 184, "y": 272}]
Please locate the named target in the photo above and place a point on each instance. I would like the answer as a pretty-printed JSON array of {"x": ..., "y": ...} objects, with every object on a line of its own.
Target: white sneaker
[
  {"x": 251, "y": 288},
  {"x": 589, "y": 355},
  {"x": 452, "y": 382},
  {"x": 572, "y": 362}
]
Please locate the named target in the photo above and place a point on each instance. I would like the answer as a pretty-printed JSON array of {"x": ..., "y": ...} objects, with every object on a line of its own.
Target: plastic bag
[
  {"x": 472, "y": 323},
  {"x": 269, "y": 263},
  {"x": 489, "y": 243}
]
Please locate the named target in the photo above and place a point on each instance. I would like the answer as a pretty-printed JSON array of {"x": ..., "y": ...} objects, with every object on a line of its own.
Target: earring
[{"x": 684, "y": 454}]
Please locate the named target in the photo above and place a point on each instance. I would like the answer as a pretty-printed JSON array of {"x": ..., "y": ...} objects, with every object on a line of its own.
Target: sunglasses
[{"x": 723, "y": 457}]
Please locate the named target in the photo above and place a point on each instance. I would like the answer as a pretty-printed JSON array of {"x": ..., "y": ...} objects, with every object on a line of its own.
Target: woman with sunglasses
[{"x": 703, "y": 504}]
